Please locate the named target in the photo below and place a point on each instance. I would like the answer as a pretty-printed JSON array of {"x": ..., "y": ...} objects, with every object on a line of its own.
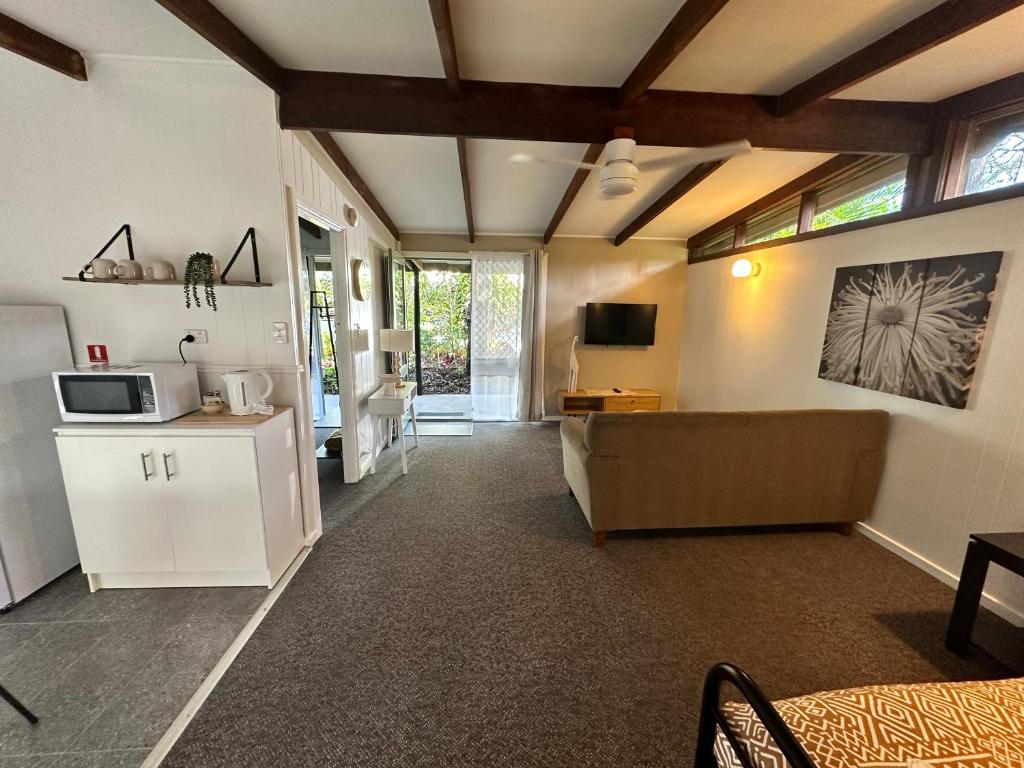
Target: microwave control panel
[{"x": 146, "y": 394}]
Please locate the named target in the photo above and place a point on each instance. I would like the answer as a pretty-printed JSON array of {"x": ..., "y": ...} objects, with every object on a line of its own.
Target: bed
[{"x": 951, "y": 725}]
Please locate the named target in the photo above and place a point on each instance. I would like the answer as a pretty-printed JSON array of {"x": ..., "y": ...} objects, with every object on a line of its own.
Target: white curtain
[
  {"x": 531, "y": 400},
  {"x": 506, "y": 336}
]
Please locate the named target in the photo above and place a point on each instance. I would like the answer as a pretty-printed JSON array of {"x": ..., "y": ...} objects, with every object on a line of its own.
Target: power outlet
[{"x": 199, "y": 333}]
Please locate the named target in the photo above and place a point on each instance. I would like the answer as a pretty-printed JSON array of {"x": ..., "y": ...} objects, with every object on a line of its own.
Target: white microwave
[{"x": 131, "y": 392}]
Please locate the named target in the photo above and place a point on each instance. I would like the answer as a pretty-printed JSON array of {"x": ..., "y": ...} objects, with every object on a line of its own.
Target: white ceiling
[
  {"x": 984, "y": 54},
  {"x": 393, "y": 37},
  {"x": 767, "y": 46},
  {"x": 130, "y": 27},
  {"x": 415, "y": 178},
  {"x": 584, "y": 42},
  {"x": 517, "y": 198},
  {"x": 568, "y": 42}
]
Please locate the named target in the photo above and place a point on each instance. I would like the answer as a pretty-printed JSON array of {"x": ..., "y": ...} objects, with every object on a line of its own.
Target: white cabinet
[
  {"x": 183, "y": 505},
  {"x": 116, "y": 498}
]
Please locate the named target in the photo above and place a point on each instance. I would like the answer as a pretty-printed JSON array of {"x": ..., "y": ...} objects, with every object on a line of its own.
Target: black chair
[
  {"x": 21, "y": 708},
  {"x": 711, "y": 718}
]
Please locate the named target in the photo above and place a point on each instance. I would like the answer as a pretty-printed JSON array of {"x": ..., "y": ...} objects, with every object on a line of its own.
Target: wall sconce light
[{"x": 746, "y": 268}]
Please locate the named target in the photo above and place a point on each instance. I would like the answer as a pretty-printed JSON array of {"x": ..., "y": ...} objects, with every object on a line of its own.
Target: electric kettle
[{"x": 246, "y": 388}]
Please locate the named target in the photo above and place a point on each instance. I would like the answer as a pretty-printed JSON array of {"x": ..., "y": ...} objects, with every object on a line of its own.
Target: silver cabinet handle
[
  {"x": 167, "y": 471},
  {"x": 146, "y": 474}
]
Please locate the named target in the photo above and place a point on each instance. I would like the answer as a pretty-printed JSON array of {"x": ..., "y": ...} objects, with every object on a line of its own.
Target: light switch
[{"x": 280, "y": 332}]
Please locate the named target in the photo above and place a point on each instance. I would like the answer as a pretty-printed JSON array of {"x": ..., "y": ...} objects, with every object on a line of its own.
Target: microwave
[{"x": 129, "y": 392}]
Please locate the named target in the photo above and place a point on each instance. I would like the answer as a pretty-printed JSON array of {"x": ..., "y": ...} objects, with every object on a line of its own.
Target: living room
[{"x": 753, "y": 396}]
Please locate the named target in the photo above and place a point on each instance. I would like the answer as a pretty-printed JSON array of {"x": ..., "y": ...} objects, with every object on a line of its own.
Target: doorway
[
  {"x": 443, "y": 324},
  {"x": 319, "y": 324},
  {"x": 466, "y": 311}
]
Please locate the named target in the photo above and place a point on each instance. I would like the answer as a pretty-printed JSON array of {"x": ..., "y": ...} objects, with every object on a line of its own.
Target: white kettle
[{"x": 246, "y": 388}]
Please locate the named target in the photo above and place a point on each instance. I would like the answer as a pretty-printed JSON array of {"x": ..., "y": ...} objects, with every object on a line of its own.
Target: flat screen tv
[{"x": 627, "y": 325}]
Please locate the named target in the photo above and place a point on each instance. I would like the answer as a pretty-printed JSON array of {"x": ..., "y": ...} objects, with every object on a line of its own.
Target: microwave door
[{"x": 101, "y": 395}]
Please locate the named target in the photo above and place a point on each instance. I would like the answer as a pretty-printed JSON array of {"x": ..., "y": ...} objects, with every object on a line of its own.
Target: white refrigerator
[{"x": 37, "y": 542}]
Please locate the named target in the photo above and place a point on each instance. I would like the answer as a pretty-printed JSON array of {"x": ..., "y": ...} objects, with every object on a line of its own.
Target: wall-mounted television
[{"x": 627, "y": 325}]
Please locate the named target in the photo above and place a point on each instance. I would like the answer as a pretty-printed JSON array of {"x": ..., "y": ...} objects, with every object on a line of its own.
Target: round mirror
[{"x": 362, "y": 280}]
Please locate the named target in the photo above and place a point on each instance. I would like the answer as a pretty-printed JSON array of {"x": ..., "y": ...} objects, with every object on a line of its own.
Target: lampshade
[{"x": 396, "y": 340}]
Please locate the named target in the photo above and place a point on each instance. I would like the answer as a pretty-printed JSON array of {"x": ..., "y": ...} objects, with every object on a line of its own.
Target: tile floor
[{"x": 107, "y": 673}]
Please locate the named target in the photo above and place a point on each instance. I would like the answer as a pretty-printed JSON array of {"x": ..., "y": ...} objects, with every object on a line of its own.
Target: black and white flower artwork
[{"x": 910, "y": 328}]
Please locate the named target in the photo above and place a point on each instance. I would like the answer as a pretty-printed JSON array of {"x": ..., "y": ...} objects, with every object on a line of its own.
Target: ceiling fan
[{"x": 621, "y": 176}]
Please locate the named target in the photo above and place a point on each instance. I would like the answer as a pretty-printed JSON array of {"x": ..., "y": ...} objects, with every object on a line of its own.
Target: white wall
[
  {"x": 186, "y": 154},
  {"x": 756, "y": 344},
  {"x": 317, "y": 184}
]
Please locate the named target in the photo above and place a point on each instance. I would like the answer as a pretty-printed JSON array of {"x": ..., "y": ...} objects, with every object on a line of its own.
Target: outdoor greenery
[
  {"x": 787, "y": 231},
  {"x": 877, "y": 202},
  {"x": 325, "y": 283},
  {"x": 1001, "y": 166},
  {"x": 444, "y": 331}
]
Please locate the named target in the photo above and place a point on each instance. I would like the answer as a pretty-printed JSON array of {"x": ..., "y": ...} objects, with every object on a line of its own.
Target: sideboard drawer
[{"x": 625, "y": 404}]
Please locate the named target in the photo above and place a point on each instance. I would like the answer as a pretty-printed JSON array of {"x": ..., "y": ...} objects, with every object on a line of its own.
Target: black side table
[{"x": 1005, "y": 549}]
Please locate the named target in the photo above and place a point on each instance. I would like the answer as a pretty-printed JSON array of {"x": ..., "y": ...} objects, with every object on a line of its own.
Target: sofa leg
[
  {"x": 846, "y": 529},
  {"x": 598, "y": 539}
]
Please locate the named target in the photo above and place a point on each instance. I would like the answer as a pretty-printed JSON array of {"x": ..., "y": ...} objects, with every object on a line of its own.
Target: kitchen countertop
[{"x": 197, "y": 421}]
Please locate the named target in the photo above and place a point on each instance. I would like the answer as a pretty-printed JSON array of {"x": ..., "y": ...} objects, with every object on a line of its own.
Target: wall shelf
[{"x": 119, "y": 281}]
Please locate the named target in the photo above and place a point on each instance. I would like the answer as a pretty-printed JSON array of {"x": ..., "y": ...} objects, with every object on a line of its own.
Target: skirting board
[
  {"x": 997, "y": 607},
  {"x": 162, "y": 580},
  {"x": 163, "y": 746}
]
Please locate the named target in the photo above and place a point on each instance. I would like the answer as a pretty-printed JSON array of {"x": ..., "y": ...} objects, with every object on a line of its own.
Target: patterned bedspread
[{"x": 950, "y": 725}]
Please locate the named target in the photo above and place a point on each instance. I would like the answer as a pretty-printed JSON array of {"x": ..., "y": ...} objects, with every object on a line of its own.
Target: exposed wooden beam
[
  {"x": 32, "y": 44},
  {"x": 689, "y": 20},
  {"x": 680, "y": 188},
  {"x": 219, "y": 30},
  {"x": 586, "y": 115},
  {"x": 590, "y": 156},
  {"x": 942, "y": 23},
  {"x": 813, "y": 178},
  {"x": 466, "y": 196},
  {"x": 442, "y": 17},
  {"x": 999, "y": 93},
  {"x": 333, "y": 151}
]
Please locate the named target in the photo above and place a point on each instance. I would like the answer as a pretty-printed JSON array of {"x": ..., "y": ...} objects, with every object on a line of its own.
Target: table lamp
[{"x": 395, "y": 341}]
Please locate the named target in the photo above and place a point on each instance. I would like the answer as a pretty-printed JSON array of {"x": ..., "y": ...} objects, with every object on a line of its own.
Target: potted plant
[{"x": 201, "y": 269}]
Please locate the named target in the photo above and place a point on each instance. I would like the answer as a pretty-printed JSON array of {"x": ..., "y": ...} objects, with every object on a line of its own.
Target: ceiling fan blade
[
  {"x": 695, "y": 156},
  {"x": 523, "y": 157}
]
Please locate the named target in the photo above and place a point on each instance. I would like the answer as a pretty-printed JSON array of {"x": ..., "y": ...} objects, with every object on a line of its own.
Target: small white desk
[{"x": 389, "y": 407}]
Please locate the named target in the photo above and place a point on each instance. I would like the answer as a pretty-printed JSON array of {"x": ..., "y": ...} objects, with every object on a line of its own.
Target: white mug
[
  {"x": 127, "y": 269},
  {"x": 160, "y": 270},
  {"x": 103, "y": 269}
]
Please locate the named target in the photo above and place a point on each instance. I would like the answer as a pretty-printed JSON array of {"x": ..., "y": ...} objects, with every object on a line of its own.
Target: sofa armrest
[{"x": 573, "y": 432}]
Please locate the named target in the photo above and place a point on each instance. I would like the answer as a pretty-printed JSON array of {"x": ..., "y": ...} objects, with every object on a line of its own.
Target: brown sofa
[{"x": 694, "y": 470}]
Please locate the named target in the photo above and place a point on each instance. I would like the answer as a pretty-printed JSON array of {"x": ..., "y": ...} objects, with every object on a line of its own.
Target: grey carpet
[
  {"x": 458, "y": 616},
  {"x": 441, "y": 429}
]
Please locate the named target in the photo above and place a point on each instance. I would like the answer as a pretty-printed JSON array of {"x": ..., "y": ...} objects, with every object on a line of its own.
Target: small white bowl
[{"x": 212, "y": 408}]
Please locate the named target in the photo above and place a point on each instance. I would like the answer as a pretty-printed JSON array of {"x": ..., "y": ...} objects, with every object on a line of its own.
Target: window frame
[
  {"x": 960, "y": 128},
  {"x": 933, "y": 182}
]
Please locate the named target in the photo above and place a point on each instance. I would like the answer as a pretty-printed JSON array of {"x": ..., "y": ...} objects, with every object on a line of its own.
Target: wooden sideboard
[{"x": 607, "y": 400}]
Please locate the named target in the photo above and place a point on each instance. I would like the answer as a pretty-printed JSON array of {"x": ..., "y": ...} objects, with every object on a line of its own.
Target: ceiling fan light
[
  {"x": 619, "y": 178},
  {"x": 617, "y": 187}
]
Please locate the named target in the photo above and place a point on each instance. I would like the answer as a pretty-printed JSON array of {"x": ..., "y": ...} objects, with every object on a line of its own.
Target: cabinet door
[
  {"x": 114, "y": 493},
  {"x": 212, "y": 494}
]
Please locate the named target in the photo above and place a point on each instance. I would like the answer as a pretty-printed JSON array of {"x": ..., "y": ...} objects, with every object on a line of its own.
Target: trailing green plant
[{"x": 199, "y": 271}]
